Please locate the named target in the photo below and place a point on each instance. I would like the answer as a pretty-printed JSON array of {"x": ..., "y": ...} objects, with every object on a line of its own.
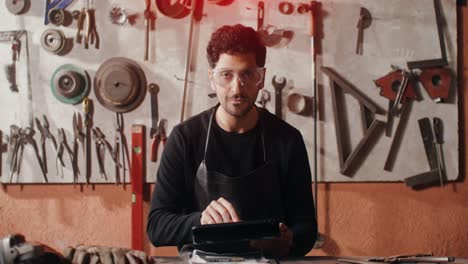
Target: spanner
[{"x": 278, "y": 95}]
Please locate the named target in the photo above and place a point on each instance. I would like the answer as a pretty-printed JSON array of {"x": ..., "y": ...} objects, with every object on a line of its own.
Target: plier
[
  {"x": 101, "y": 145},
  {"x": 45, "y": 134},
  {"x": 157, "y": 136},
  {"x": 25, "y": 136},
  {"x": 79, "y": 135},
  {"x": 62, "y": 144},
  {"x": 120, "y": 149}
]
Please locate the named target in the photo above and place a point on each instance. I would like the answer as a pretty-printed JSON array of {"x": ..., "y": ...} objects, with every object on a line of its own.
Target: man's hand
[
  {"x": 219, "y": 211},
  {"x": 277, "y": 247}
]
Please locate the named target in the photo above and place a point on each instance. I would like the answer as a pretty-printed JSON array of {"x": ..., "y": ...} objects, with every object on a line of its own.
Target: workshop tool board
[{"x": 401, "y": 31}]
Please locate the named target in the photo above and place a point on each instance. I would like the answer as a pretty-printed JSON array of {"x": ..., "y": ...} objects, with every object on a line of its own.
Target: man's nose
[{"x": 237, "y": 84}]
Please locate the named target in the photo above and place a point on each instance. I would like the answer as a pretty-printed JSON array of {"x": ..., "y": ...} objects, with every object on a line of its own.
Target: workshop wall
[
  {"x": 289, "y": 56},
  {"x": 356, "y": 218}
]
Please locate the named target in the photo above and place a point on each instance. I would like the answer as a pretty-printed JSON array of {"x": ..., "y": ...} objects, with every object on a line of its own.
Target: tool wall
[{"x": 112, "y": 56}]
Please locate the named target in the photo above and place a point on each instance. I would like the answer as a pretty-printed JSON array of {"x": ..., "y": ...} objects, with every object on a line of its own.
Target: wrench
[{"x": 278, "y": 95}]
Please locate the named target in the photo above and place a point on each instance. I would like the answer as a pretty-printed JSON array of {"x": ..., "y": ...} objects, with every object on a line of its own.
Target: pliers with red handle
[{"x": 158, "y": 135}]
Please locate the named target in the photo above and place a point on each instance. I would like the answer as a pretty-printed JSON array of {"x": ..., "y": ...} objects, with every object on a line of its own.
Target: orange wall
[{"x": 356, "y": 219}]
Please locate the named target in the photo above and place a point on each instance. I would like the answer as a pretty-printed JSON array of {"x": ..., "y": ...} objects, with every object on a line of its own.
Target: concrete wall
[{"x": 356, "y": 218}]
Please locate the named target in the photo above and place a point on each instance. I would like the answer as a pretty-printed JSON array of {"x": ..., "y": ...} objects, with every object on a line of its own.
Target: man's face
[{"x": 237, "y": 81}]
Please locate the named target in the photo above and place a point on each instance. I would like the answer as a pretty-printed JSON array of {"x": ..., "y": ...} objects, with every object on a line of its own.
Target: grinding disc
[
  {"x": 70, "y": 84},
  {"x": 120, "y": 85},
  {"x": 16, "y": 7},
  {"x": 56, "y": 16},
  {"x": 53, "y": 40}
]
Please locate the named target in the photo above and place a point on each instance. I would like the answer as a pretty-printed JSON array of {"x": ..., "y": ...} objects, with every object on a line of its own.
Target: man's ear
[{"x": 262, "y": 84}]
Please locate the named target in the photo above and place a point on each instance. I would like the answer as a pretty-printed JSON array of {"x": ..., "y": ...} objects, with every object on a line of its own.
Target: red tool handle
[
  {"x": 137, "y": 177},
  {"x": 154, "y": 149},
  {"x": 313, "y": 18}
]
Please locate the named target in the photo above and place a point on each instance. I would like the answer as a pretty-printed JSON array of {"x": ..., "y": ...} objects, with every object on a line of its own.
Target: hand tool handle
[
  {"x": 438, "y": 127},
  {"x": 313, "y": 18},
  {"x": 260, "y": 14},
  {"x": 278, "y": 102},
  {"x": 87, "y": 28},
  {"x": 81, "y": 18},
  {"x": 154, "y": 149}
]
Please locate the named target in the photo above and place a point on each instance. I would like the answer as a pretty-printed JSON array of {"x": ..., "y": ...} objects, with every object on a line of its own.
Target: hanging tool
[
  {"x": 18, "y": 7},
  {"x": 188, "y": 60},
  {"x": 25, "y": 137},
  {"x": 118, "y": 15},
  {"x": 398, "y": 136},
  {"x": 87, "y": 25},
  {"x": 3, "y": 148},
  {"x": 430, "y": 139},
  {"x": 174, "y": 9},
  {"x": 101, "y": 145},
  {"x": 80, "y": 24},
  {"x": 278, "y": 96},
  {"x": 437, "y": 83},
  {"x": 286, "y": 8},
  {"x": 439, "y": 140},
  {"x": 55, "y": 4},
  {"x": 365, "y": 20},
  {"x": 137, "y": 181},
  {"x": 150, "y": 16},
  {"x": 120, "y": 145},
  {"x": 45, "y": 134},
  {"x": 63, "y": 145},
  {"x": 440, "y": 62},
  {"x": 260, "y": 15},
  {"x": 398, "y": 88},
  {"x": 87, "y": 123},
  {"x": 264, "y": 98},
  {"x": 348, "y": 157},
  {"x": 153, "y": 89},
  {"x": 14, "y": 37},
  {"x": 91, "y": 35},
  {"x": 53, "y": 41},
  {"x": 13, "y": 141},
  {"x": 159, "y": 136},
  {"x": 78, "y": 137},
  {"x": 313, "y": 31}
]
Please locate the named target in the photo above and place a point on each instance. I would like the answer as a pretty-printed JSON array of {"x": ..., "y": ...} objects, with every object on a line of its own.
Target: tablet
[{"x": 235, "y": 232}]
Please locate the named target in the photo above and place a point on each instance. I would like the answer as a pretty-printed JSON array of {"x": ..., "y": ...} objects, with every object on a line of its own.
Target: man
[{"x": 234, "y": 161}]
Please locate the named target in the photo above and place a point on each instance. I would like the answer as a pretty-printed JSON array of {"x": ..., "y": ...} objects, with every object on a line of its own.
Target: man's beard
[{"x": 235, "y": 111}]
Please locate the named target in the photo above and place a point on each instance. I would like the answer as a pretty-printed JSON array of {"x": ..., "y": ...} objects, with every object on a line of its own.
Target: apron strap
[
  {"x": 260, "y": 113},
  {"x": 208, "y": 133}
]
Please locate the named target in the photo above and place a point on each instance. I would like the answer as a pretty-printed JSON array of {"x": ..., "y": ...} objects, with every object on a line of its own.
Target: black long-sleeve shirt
[{"x": 172, "y": 214}]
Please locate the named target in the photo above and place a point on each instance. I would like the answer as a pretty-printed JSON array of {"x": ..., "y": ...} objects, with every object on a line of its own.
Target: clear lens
[{"x": 248, "y": 77}]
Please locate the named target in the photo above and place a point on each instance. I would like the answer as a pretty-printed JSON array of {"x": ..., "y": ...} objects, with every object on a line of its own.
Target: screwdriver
[{"x": 438, "y": 138}]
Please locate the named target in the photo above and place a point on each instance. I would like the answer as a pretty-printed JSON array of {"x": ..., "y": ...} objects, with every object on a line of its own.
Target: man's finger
[
  {"x": 222, "y": 210},
  {"x": 214, "y": 215},
  {"x": 230, "y": 208}
]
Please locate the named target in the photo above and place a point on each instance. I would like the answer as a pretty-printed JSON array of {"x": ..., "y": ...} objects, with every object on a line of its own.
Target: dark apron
[{"x": 256, "y": 195}]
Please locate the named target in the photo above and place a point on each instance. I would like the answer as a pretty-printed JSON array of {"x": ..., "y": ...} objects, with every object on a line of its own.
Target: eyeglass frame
[{"x": 260, "y": 70}]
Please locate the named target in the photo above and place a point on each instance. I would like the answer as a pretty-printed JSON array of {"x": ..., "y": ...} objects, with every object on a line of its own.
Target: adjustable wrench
[{"x": 278, "y": 95}]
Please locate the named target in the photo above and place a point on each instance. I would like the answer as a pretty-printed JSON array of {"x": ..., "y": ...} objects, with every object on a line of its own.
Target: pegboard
[{"x": 401, "y": 31}]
